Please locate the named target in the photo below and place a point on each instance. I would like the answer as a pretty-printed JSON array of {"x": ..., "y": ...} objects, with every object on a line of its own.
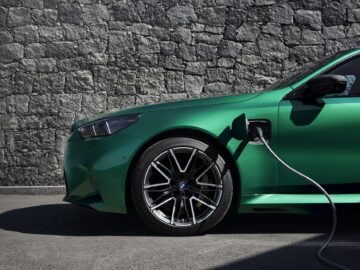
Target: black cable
[{"x": 333, "y": 208}]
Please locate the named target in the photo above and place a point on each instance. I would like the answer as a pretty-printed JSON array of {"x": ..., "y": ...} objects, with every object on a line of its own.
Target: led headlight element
[{"x": 107, "y": 126}]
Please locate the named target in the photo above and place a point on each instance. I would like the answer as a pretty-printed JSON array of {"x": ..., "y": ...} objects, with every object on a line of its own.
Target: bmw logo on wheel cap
[{"x": 182, "y": 185}]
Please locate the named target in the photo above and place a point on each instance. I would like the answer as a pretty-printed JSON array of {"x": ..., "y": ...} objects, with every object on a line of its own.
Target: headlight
[{"x": 107, "y": 126}]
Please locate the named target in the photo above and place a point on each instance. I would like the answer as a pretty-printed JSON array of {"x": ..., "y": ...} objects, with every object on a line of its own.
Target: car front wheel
[{"x": 181, "y": 186}]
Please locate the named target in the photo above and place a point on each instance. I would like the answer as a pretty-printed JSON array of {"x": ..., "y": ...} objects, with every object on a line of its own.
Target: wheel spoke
[
  {"x": 155, "y": 185},
  {"x": 192, "y": 210},
  {"x": 160, "y": 204},
  {"x": 161, "y": 172},
  {"x": 204, "y": 172},
  {"x": 206, "y": 197},
  {"x": 164, "y": 167},
  {"x": 204, "y": 203},
  {"x": 186, "y": 209},
  {"x": 201, "y": 190},
  {"x": 181, "y": 207},
  {"x": 173, "y": 212},
  {"x": 177, "y": 162},
  {"x": 210, "y": 185},
  {"x": 158, "y": 190}
]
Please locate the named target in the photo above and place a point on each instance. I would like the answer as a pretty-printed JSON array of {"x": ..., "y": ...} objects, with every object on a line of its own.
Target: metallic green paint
[{"x": 96, "y": 169}]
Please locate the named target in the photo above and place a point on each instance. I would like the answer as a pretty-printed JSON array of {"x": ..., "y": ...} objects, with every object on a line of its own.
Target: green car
[{"x": 182, "y": 165}]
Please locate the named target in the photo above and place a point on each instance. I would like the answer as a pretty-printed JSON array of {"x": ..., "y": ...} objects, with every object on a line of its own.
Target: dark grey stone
[
  {"x": 187, "y": 52},
  {"x": 148, "y": 45},
  {"x": 174, "y": 81},
  {"x": 282, "y": 14},
  {"x": 248, "y": 32},
  {"x": 45, "y": 17},
  {"x": 354, "y": 30},
  {"x": 67, "y": 31},
  {"x": 229, "y": 48},
  {"x": 49, "y": 83},
  {"x": 121, "y": 42},
  {"x": 207, "y": 38},
  {"x": 168, "y": 47},
  {"x": 272, "y": 48},
  {"x": 235, "y": 17},
  {"x": 18, "y": 104},
  {"x": 334, "y": 32},
  {"x": 11, "y": 52},
  {"x": 272, "y": 28},
  {"x": 69, "y": 13},
  {"x": 196, "y": 68},
  {"x": 309, "y": 18},
  {"x": 194, "y": 85},
  {"x": 151, "y": 80},
  {"x": 310, "y": 37},
  {"x": 23, "y": 83},
  {"x": 140, "y": 28},
  {"x": 61, "y": 49},
  {"x": 181, "y": 15},
  {"x": 292, "y": 35},
  {"x": 38, "y": 65},
  {"x": 148, "y": 60},
  {"x": 212, "y": 16},
  {"x": 38, "y": 4},
  {"x": 334, "y": 13},
  {"x": 206, "y": 52},
  {"x": 306, "y": 54},
  {"x": 18, "y": 16},
  {"x": 3, "y": 15},
  {"x": 79, "y": 81},
  {"x": 92, "y": 46},
  {"x": 126, "y": 11},
  {"x": 94, "y": 103},
  {"x": 26, "y": 34},
  {"x": 97, "y": 13},
  {"x": 5, "y": 37},
  {"x": 49, "y": 33},
  {"x": 182, "y": 34},
  {"x": 218, "y": 88},
  {"x": 173, "y": 63},
  {"x": 354, "y": 15}
]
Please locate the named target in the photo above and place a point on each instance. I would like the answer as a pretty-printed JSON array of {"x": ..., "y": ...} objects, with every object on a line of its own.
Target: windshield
[{"x": 301, "y": 73}]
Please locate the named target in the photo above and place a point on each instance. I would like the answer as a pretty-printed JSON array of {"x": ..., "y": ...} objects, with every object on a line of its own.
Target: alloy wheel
[{"x": 182, "y": 186}]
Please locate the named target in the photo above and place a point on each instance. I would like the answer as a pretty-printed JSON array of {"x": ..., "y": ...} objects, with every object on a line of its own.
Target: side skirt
[{"x": 291, "y": 203}]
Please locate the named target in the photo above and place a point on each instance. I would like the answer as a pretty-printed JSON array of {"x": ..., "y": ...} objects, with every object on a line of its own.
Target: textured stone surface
[{"x": 61, "y": 60}]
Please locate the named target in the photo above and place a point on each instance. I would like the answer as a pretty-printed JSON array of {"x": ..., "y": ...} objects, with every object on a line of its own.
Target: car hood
[{"x": 173, "y": 105}]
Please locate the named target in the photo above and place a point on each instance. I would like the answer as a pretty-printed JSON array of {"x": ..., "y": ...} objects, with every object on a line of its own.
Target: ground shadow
[
  {"x": 68, "y": 219},
  {"x": 298, "y": 256}
]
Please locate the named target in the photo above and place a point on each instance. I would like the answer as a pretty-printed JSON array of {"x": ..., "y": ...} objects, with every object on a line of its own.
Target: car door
[{"x": 322, "y": 139}]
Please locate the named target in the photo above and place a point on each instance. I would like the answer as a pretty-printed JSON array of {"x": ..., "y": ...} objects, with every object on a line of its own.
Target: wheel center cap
[{"x": 182, "y": 186}]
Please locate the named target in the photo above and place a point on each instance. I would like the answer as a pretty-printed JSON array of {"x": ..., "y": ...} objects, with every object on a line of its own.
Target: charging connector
[{"x": 333, "y": 208}]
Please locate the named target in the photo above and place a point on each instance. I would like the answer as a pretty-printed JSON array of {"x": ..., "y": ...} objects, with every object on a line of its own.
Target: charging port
[{"x": 253, "y": 135}]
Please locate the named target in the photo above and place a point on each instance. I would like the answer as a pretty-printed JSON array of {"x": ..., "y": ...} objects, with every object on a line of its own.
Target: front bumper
[{"x": 95, "y": 170}]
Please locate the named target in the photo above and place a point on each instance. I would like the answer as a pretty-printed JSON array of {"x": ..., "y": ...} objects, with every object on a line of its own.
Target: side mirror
[{"x": 324, "y": 85}]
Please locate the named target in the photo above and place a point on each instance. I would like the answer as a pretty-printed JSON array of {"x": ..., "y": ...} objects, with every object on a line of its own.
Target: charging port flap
[{"x": 253, "y": 135}]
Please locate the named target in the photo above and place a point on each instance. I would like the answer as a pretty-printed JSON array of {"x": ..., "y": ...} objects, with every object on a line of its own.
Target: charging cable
[{"x": 333, "y": 208}]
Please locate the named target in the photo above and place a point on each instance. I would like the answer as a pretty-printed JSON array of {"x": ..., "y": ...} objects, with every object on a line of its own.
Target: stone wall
[{"x": 64, "y": 59}]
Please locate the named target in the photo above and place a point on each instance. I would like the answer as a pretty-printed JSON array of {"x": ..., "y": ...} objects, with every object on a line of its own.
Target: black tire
[{"x": 220, "y": 167}]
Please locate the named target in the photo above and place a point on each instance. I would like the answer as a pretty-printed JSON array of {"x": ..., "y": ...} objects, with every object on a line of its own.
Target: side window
[{"x": 351, "y": 70}]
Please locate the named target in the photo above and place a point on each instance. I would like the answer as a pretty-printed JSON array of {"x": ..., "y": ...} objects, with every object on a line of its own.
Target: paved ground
[{"x": 42, "y": 232}]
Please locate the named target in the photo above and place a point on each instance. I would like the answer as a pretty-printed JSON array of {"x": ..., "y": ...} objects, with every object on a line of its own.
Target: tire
[{"x": 181, "y": 186}]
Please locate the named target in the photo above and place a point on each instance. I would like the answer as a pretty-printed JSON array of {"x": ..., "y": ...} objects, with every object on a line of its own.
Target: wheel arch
[{"x": 195, "y": 134}]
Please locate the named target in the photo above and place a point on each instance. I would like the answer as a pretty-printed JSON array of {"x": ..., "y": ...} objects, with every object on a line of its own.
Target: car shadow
[{"x": 74, "y": 220}]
